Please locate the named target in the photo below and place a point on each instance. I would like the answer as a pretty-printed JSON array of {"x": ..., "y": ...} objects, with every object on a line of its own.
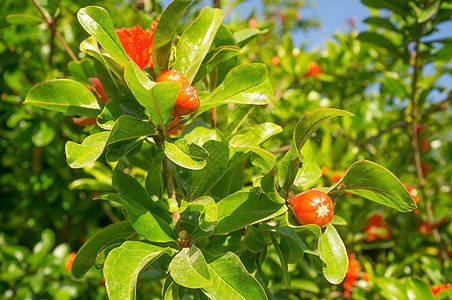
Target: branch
[
  {"x": 402, "y": 124},
  {"x": 51, "y": 24}
]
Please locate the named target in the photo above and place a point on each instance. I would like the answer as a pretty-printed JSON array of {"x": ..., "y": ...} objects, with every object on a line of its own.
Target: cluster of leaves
[{"x": 189, "y": 219}]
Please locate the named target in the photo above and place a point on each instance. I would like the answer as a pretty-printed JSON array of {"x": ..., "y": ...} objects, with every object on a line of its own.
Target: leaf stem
[{"x": 51, "y": 24}]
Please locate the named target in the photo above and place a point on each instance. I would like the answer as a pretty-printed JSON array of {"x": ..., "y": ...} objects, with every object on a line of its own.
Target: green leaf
[
  {"x": 293, "y": 223},
  {"x": 381, "y": 23},
  {"x": 398, "y": 7},
  {"x": 207, "y": 208},
  {"x": 380, "y": 41},
  {"x": 376, "y": 183},
  {"x": 214, "y": 58},
  {"x": 126, "y": 131},
  {"x": 216, "y": 165},
  {"x": 189, "y": 269},
  {"x": 52, "y": 6},
  {"x": 149, "y": 225},
  {"x": 186, "y": 154},
  {"x": 124, "y": 264},
  {"x": 305, "y": 127},
  {"x": 65, "y": 96},
  {"x": 309, "y": 172},
  {"x": 155, "y": 183},
  {"x": 231, "y": 280},
  {"x": 164, "y": 33},
  {"x": 254, "y": 240},
  {"x": 292, "y": 246},
  {"x": 391, "y": 288},
  {"x": 112, "y": 111},
  {"x": 157, "y": 98},
  {"x": 81, "y": 155},
  {"x": 244, "y": 84},
  {"x": 265, "y": 160},
  {"x": 23, "y": 19},
  {"x": 269, "y": 188},
  {"x": 44, "y": 135},
  {"x": 87, "y": 254},
  {"x": 286, "y": 277},
  {"x": 132, "y": 189},
  {"x": 174, "y": 292},
  {"x": 245, "y": 36},
  {"x": 338, "y": 220},
  {"x": 243, "y": 209},
  {"x": 419, "y": 288},
  {"x": 332, "y": 251},
  {"x": 196, "y": 40},
  {"x": 224, "y": 243},
  {"x": 96, "y": 21},
  {"x": 426, "y": 14}
]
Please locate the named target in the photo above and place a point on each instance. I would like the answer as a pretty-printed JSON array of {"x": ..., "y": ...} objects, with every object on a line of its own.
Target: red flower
[
  {"x": 314, "y": 69},
  {"x": 335, "y": 177},
  {"x": 324, "y": 171},
  {"x": 138, "y": 43},
  {"x": 70, "y": 260},
  {"x": 353, "y": 273},
  {"x": 376, "y": 229},
  {"x": 177, "y": 129},
  {"x": 436, "y": 289}
]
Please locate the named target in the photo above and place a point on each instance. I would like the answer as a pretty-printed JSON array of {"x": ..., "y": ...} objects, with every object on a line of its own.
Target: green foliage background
[{"x": 42, "y": 220}]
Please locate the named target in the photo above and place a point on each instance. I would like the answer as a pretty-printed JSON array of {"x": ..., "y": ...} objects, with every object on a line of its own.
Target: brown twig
[
  {"x": 51, "y": 24},
  {"x": 402, "y": 124},
  {"x": 417, "y": 68}
]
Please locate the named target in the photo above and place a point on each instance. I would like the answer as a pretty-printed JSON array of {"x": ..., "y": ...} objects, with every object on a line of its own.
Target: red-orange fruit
[
  {"x": 187, "y": 101},
  {"x": 312, "y": 207},
  {"x": 172, "y": 75}
]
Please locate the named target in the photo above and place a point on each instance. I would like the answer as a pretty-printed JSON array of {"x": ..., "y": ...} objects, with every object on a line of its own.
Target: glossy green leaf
[
  {"x": 112, "y": 111},
  {"x": 254, "y": 240},
  {"x": 380, "y": 41},
  {"x": 269, "y": 188},
  {"x": 164, "y": 33},
  {"x": 44, "y": 135},
  {"x": 216, "y": 165},
  {"x": 23, "y": 19},
  {"x": 52, "y": 6},
  {"x": 305, "y": 127},
  {"x": 286, "y": 277},
  {"x": 207, "y": 208},
  {"x": 291, "y": 244},
  {"x": 243, "y": 209},
  {"x": 293, "y": 223},
  {"x": 185, "y": 154},
  {"x": 265, "y": 160},
  {"x": 216, "y": 57},
  {"x": 196, "y": 40},
  {"x": 157, "y": 98},
  {"x": 149, "y": 225},
  {"x": 81, "y": 155},
  {"x": 309, "y": 172},
  {"x": 127, "y": 130},
  {"x": 338, "y": 220},
  {"x": 224, "y": 243},
  {"x": 124, "y": 264},
  {"x": 244, "y": 84},
  {"x": 64, "y": 95},
  {"x": 189, "y": 268},
  {"x": 132, "y": 189},
  {"x": 231, "y": 280},
  {"x": 245, "y": 36},
  {"x": 87, "y": 254},
  {"x": 376, "y": 183},
  {"x": 103, "y": 253},
  {"x": 96, "y": 21},
  {"x": 174, "y": 292},
  {"x": 332, "y": 251},
  {"x": 155, "y": 183}
]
